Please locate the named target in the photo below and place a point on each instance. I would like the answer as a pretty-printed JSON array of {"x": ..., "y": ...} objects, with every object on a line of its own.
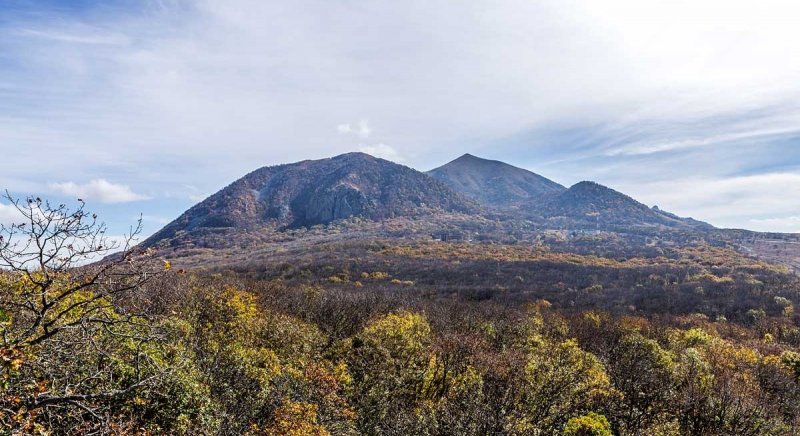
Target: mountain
[
  {"x": 495, "y": 183},
  {"x": 584, "y": 205},
  {"x": 592, "y": 204},
  {"x": 480, "y": 198},
  {"x": 318, "y": 192}
]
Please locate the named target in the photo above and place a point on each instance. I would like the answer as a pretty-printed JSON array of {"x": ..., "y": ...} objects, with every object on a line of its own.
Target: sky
[{"x": 145, "y": 107}]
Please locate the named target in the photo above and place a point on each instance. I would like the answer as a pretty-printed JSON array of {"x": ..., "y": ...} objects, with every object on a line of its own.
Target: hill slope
[
  {"x": 493, "y": 182},
  {"x": 318, "y": 192},
  {"x": 589, "y": 203}
]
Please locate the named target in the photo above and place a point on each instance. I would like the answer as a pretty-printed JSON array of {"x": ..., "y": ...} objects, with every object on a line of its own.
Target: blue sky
[{"x": 145, "y": 107}]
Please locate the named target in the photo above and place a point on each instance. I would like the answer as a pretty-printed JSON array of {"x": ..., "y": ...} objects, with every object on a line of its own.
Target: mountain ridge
[{"x": 324, "y": 191}]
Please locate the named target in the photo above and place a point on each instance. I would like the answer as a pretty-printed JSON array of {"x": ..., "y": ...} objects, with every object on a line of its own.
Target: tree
[
  {"x": 642, "y": 371},
  {"x": 560, "y": 380},
  {"x": 264, "y": 369},
  {"x": 73, "y": 338},
  {"x": 591, "y": 424},
  {"x": 729, "y": 389},
  {"x": 389, "y": 361}
]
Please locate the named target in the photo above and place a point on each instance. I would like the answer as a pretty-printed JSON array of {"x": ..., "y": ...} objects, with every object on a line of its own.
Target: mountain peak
[
  {"x": 318, "y": 192},
  {"x": 601, "y": 196},
  {"x": 354, "y": 155},
  {"x": 589, "y": 184},
  {"x": 494, "y": 182},
  {"x": 601, "y": 206},
  {"x": 593, "y": 187},
  {"x": 470, "y": 157}
]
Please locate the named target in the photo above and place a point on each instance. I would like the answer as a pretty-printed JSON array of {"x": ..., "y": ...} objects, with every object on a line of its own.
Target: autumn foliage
[{"x": 133, "y": 345}]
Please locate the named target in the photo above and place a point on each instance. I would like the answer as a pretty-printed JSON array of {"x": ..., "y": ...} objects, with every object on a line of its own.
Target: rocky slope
[{"x": 319, "y": 192}]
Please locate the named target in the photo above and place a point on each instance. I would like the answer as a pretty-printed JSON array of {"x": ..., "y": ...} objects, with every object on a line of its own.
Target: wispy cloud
[
  {"x": 77, "y": 38},
  {"x": 702, "y": 141},
  {"x": 98, "y": 189},
  {"x": 640, "y": 135}
]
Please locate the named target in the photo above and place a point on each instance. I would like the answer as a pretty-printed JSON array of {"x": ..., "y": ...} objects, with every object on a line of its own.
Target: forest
[{"x": 387, "y": 337}]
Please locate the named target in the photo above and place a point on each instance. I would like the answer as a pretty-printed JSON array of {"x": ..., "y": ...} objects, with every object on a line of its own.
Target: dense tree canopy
[{"x": 131, "y": 345}]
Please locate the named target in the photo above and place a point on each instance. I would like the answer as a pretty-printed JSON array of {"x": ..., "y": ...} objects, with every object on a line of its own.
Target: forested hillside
[{"x": 393, "y": 336}]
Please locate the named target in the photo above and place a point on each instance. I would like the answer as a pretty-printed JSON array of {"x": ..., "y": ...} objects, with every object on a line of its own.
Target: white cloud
[
  {"x": 98, "y": 189},
  {"x": 360, "y": 129},
  {"x": 382, "y": 151},
  {"x": 9, "y": 214},
  {"x": 728, "y": 202},
  {"x": 790, "y": 224}
]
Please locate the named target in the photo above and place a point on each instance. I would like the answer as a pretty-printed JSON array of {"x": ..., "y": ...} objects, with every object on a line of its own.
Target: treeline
[
  {"x": 208, "y": 357},
  {"x": 713, "y": 281}
]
